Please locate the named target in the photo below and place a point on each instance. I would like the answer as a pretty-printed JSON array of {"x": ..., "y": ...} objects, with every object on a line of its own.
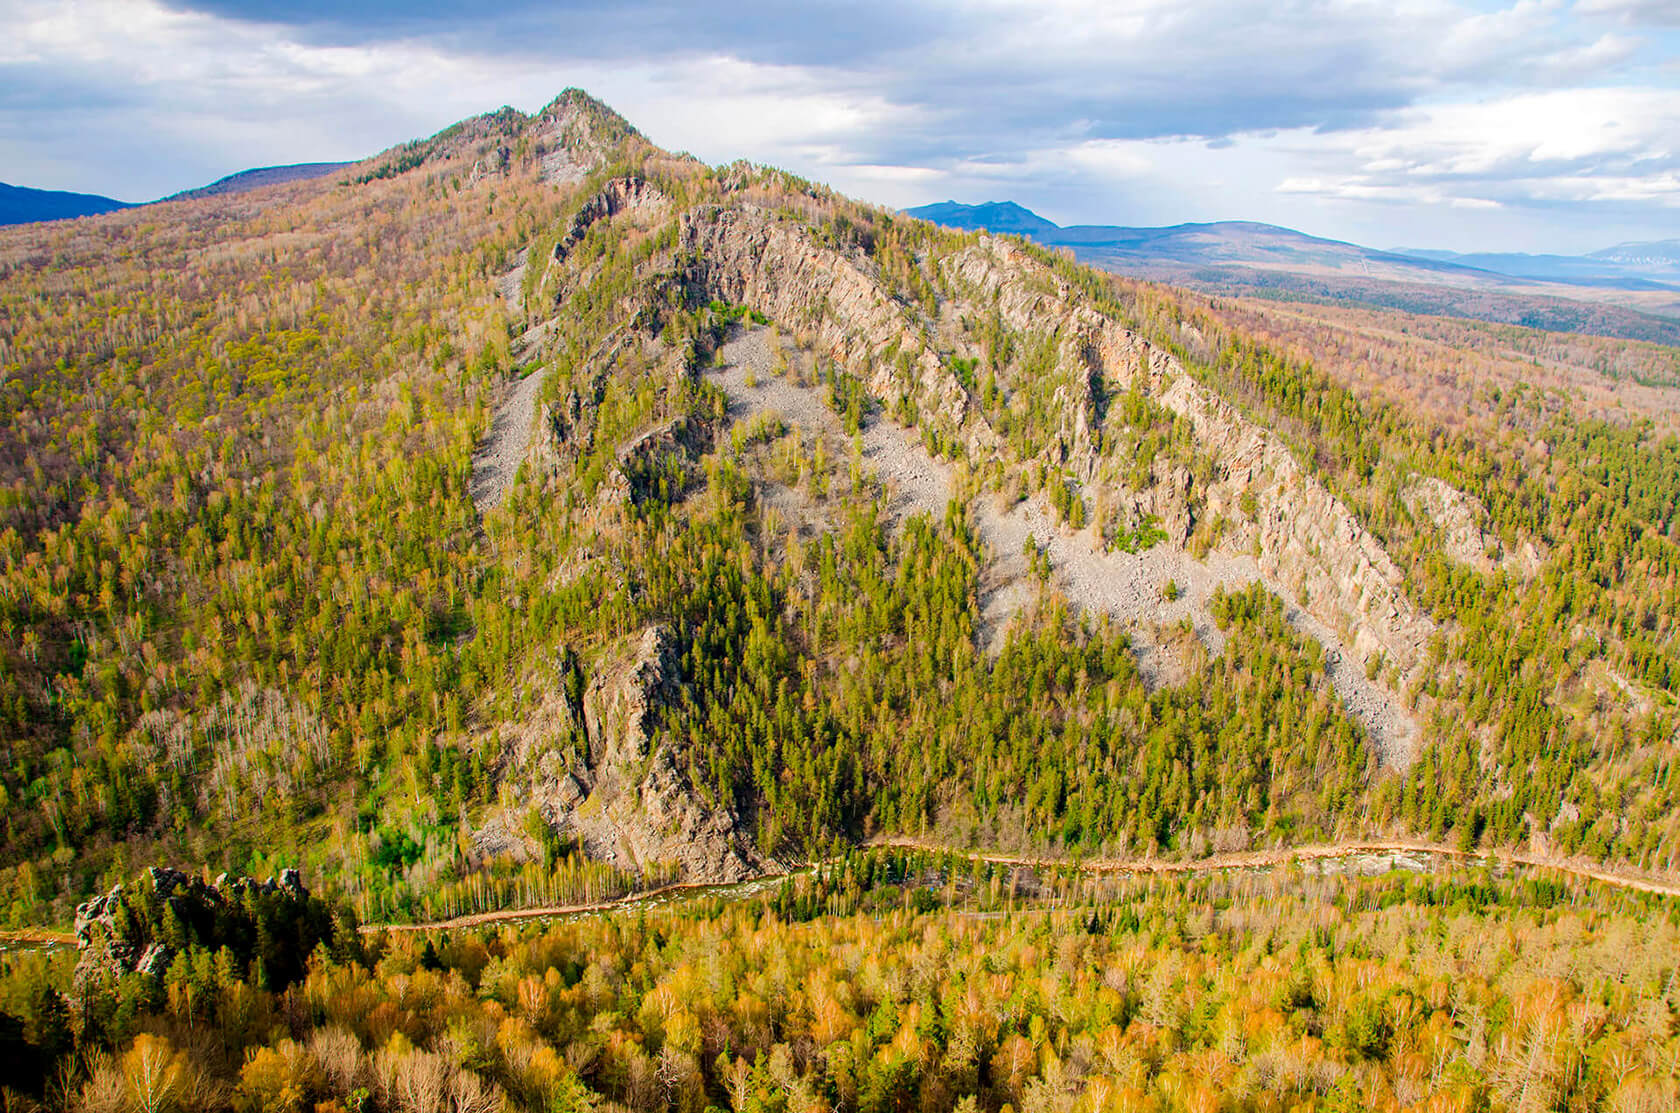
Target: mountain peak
[
  {"x": 258, "y": 177},
  {"x": 575, "y": 105}
]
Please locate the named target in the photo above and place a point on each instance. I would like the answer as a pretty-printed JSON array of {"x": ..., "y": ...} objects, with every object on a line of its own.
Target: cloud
[
  {"x": 1338, "y": 114},
  {"x": 1648, "y": 13}
]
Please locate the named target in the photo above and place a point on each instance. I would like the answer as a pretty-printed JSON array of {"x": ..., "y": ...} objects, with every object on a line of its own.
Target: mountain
[
  {"x": 247, "y": 180},
  {"x": 1242, "y": 257},
  {"x": 905, "y": 668},
  {"x": 529, "y": 514},
  {"x": 1630, "y": 266},
  {"x": 1660, "y": 253},
  {"x": 22, "y": 205},
  {"x": 1237, "y": 242},
  {"x": 1004, "y": 217}
]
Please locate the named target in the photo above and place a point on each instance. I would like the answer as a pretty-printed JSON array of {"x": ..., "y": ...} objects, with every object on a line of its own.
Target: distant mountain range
[
  {"x": 1630, "y": 265},
  {"x": 1631, "y": 291},
  {"x": 23, "y": 205}
]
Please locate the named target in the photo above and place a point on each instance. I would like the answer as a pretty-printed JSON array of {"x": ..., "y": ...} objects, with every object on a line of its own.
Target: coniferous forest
[{"x": 262, "y": 610}]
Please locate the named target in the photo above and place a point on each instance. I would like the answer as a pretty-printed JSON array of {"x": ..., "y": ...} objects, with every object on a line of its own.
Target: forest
[
  {"x": 907, "y": 981},
  {"x": 251, "y": 618}
]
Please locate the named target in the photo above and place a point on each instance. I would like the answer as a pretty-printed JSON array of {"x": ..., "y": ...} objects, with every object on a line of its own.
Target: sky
[{"x": 1473, "y": 125}]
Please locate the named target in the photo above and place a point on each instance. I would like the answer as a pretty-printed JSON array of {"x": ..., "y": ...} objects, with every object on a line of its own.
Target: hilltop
[
  {"x": 262, "y": 176},
  {"x": 528, "y": 514},
  {"x": 21, "y": 205}
]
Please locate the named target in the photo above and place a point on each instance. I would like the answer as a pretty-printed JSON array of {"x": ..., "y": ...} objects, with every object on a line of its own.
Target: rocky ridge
[
  {"x": 1308, "y": 548},
  {"x": 1261, "y": 514}
]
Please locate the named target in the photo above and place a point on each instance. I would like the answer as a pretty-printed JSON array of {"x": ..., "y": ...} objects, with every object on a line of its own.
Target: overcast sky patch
[{"x": 1538, "y": 125}]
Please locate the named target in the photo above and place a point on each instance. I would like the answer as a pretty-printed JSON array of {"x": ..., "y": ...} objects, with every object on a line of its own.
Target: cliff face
[
  {"x": 1301, "y": 535},
  {"x": 641, "y": 807},
  {"x": 619, "y": 787},
  {"x": 1306, "y": 545},
  {"x": 746, "y": 257},
  {"x": 1243, "y": 510}
]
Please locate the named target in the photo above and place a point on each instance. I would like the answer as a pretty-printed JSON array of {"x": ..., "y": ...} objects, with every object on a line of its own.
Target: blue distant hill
[
  {"x": 22, "y": 205},
  {"x": 1632, "y": 290},
  {"x": 1629, "y": 266},
  {"x": 1005, "y": 217}
]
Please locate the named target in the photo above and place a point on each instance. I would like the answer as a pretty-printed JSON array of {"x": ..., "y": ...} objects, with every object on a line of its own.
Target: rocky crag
[
  {"x": 592, "y": 760},
  {"x": 141, "y": 928},
  {"x": 1229, "y": 506}
]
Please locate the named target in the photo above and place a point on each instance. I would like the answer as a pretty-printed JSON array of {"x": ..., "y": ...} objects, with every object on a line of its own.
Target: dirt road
[{"x": 1158, "y": 867}]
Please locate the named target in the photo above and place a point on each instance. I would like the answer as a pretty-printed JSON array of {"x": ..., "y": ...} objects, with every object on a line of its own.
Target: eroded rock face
[
  {"x": 617, "y": 196},
  {"x": 1462, "y": 522},
  {"x": 1301, "y": 535},
  {"x": 744, "y": 257},
  {"x": 629, "y": 800},
  {"x": 1306, "y": 546}
]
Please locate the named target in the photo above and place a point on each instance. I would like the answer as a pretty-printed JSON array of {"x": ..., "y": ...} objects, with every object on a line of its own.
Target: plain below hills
[{"x": 1630, "y": 291}]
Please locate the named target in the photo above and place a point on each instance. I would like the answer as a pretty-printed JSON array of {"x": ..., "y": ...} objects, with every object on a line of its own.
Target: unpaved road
[
  {"x": 1130, "y": 587},
  {"x": 1280, "y": 856},
  {"x": 1253, "y": 859},
  {"x": 37, "y": 935},
  {"x": 1152, "y": 867}
]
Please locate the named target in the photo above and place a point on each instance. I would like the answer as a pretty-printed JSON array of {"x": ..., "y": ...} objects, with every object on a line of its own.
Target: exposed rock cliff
[
  {"x": 745, "y": 256},
  {"x": 1461, "y": 522},
  {"x": 1302, "y": 536},
  {"x": 617, "y": 783}
]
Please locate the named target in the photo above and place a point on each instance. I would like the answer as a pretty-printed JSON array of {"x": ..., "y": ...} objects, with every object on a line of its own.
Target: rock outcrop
[
  {"x": 626, "y": 797},
  {"x": 140, "y": 929},
  {"x": 745, "y": 257},
  {"x": 1461, "y": 522},
  {"x": 1306, "y": 542},
  {"x": 574, "y": 133},
  {"x": 617, "y": 196}
]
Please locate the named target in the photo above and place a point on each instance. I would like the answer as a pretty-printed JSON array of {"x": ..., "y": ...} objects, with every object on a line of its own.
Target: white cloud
[{"x": 1338, "y": 115}]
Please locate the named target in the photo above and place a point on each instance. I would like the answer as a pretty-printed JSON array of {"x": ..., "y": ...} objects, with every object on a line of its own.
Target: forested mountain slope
[{"x": 532, "y": 514}]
